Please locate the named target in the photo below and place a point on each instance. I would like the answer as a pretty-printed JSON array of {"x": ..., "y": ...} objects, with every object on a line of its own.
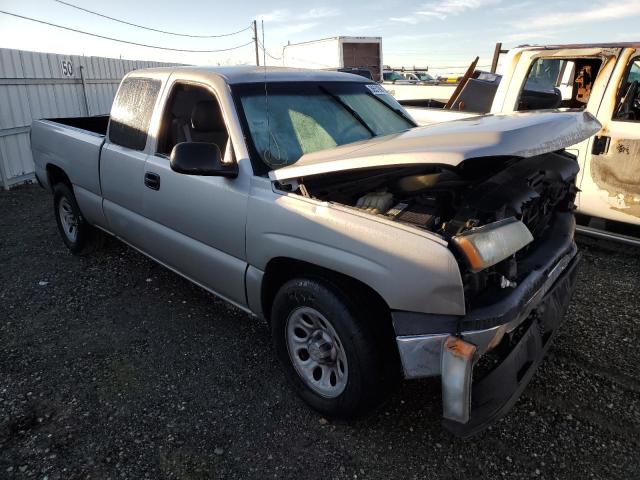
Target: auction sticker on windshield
[{"x": 376, "y": 89}]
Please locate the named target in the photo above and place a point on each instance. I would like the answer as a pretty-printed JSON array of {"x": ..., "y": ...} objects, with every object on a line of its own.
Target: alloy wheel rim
[
  {"x": 68, "y": 219},
  {"x": 316, "y": 351}
]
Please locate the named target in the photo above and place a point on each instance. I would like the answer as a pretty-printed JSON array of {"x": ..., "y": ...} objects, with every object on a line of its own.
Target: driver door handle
[
  {"x": 152, "y": 180},
  {"x": 600, "y": 145}
]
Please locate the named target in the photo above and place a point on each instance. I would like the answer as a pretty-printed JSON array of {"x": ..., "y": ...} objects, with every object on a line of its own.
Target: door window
[
  {"x": 132, "y": 112},
  {"x": 192, "y": 114},
  {"x": 558, "y": 83},
  {"x": 628, "y": 99}
]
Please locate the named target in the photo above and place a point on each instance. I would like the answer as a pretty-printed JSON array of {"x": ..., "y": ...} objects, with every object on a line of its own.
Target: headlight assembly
[{"x": 490, "y": 244}]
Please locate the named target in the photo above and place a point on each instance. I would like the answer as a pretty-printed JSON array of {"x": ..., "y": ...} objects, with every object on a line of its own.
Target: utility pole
[
  {"x": 255, "y": 39},
  {"x": 496, "y": 55}
]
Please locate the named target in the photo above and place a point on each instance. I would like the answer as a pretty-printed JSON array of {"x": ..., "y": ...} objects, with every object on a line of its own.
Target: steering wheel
[{"x": 629, "y": 102}]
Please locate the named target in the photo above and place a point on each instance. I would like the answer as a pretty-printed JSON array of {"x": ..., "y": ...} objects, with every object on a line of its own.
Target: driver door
[
  {"x": 197, "y": 223},
  {"x": 611, "y": 180}
]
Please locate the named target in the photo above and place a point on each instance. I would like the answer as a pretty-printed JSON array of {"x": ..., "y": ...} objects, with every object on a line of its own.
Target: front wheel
[
  {"x": 330, "y": 348},
  {"x": 79, "y": 237}
]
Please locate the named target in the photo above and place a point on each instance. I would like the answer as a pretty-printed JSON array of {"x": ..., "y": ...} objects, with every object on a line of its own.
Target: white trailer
[{"x": 336, "y": 53}]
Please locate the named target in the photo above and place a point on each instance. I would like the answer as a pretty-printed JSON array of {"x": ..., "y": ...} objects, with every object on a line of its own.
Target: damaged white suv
[{"x": 373, "y": 248}]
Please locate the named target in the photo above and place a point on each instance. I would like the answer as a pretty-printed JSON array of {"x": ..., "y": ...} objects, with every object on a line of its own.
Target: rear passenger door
[
  {"x": 124, "y": 156},
  {"x": 198, "y": 222}
]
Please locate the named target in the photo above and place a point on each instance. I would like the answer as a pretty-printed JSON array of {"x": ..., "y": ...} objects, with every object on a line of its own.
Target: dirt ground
[{"x": 114, "y": 367}]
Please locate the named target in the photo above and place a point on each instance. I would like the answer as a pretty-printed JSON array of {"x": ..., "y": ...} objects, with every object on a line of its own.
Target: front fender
[{"x": 409, "y": 269}]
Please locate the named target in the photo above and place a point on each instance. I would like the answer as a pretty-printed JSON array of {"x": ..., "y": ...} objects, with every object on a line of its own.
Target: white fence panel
[
  {"x": 10, "y": 63},
  {"x": 14, "y": 107},
  {"x": 17, "y": 152},
  {"x": 37, "y": 85}
]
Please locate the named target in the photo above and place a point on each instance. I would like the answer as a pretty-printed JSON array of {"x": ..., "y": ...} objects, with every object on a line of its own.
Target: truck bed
[
  {"x": 97, "y": 124},
  {"x": 72, "y": 145}
]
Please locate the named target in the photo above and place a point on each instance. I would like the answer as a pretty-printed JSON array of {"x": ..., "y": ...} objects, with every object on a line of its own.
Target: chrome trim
[
  {"x": 603, "y": 235},
  {"x": 420, "y": 354}
]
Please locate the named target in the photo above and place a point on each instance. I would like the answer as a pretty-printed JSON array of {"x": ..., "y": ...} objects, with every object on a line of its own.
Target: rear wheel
[
  {"x": 79, "y": 237},
  {"x": 330, "y": 347}
]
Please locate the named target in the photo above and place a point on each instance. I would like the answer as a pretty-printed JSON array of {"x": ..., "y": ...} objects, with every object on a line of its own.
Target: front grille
[
  {"x": 534, "y": 190},
  {"x": 537, "y": 213}
]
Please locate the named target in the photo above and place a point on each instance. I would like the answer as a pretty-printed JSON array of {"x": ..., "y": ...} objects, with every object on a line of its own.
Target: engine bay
[
  {"x": 448, "y": 201},
  {"x": 424, "y": 197}
]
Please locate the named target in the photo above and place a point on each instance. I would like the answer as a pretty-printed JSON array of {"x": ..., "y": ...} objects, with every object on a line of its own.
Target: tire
[
  {"x": 79, "y": 237},
  {"x": 356, "y": 360}
]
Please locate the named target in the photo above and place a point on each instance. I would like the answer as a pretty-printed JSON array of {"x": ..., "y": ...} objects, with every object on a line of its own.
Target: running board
[{"x": 604, "y": 235}]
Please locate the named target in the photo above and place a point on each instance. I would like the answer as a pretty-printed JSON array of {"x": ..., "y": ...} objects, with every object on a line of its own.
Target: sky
[{"x": 443, "y": 34}]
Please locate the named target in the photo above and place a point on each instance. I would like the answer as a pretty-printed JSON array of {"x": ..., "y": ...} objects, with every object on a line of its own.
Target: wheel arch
[
  {"x": 377, "y": 316},
  {"x": 279, "y": 270},
  {"x": 55, "y": 175}
]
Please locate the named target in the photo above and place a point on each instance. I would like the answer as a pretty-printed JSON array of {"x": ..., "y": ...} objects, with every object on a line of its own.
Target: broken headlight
[{"x": 490, "y": 244}]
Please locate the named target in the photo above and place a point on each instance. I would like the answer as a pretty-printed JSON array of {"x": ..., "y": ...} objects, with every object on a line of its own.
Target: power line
[
  {"x": 267, "y": 51},
  {"x": 149, "y": 28},
  {"x": 124, "y": 41},
  {"x": 453, "y": 67}
]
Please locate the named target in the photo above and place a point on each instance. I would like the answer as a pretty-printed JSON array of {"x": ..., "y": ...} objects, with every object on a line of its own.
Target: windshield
[
  {"x": 425, "y": 77},
  {"x": 307, "y": 117}
]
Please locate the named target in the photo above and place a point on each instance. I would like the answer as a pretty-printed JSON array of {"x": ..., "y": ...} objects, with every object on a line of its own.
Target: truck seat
[
  {"x": 207, "y": 124},
  {"x": 180, "y": 118}
]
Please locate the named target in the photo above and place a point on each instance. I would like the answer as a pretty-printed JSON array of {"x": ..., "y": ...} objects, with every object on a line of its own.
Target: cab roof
[
  {"x": 570, "y": 46},
  {"x": 255, "y": 74}
]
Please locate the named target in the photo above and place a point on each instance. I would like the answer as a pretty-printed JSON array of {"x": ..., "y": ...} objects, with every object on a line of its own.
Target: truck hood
[{"x": 450, "y": 143}]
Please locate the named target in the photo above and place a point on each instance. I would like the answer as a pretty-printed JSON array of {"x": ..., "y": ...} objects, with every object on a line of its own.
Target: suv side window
[
  {"x": 131, "y": 113},
  {"x": 628, "y": 100}
]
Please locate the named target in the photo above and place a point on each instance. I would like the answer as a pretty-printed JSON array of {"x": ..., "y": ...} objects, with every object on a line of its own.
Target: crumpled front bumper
[{"x": 528, "y": 319}]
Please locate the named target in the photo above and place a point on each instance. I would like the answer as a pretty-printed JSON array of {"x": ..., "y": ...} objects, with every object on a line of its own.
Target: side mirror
[{"x": 201, "y": 158}]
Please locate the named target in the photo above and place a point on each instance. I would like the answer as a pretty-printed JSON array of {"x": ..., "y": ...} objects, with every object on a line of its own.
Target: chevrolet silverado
[{"x": 374, "y": 248}]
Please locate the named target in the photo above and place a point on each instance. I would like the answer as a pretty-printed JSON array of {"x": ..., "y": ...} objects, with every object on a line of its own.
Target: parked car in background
[
  {"x": 373, "y": 248},
  {"x": 391, "y": 76},
  {"x": 451, "y": 79},
  {"x": 418, "y": 76},
  {"x": 363, "y": 72}
]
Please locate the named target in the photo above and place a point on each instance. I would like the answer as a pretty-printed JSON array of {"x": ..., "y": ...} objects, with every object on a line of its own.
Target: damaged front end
[
  {"x": 500, "y": 191},
  {"x": 513, "y": 234},
  {"x": 510, "y": 223}
]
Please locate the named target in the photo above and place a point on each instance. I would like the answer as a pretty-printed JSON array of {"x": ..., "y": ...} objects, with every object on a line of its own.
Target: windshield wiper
[
  {"x": 346, "y": 106},
  {"x": 398, "y": 111}
]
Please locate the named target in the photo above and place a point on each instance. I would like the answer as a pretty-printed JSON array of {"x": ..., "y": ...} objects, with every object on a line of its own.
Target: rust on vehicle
[
  {"x": 618, "y": 173},
  {"x": 495, "y": 341},
  {"x": 584, "y": 81},
  {"x": 459, "y": 348}
]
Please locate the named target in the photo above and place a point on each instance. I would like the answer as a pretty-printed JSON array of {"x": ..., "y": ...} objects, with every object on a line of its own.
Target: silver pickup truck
[{"x": 374, "y": 248}]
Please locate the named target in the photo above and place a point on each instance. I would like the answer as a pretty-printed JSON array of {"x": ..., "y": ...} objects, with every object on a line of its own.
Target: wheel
[
  {"x": 79, "y": 237},
  {"x": 330, "y": 348}
]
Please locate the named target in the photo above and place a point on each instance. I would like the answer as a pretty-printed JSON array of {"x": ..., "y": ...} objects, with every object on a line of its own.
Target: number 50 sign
[{"x": 67, "y": 68}]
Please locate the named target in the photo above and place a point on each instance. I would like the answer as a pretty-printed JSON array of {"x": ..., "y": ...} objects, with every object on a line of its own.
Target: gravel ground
[{"x": 113, "y": 367}]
